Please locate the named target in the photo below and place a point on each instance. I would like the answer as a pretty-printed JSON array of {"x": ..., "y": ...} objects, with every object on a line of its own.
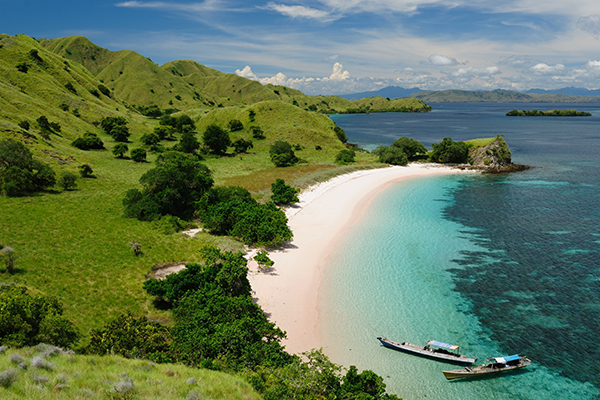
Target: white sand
[{"x": 289, "y": 293}]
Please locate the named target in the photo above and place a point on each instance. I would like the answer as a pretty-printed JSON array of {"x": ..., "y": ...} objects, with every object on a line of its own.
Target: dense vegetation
[
  {"x": 551, "y": 113},
  {"x": 401, "y": 152},
  {"x": 20, "y": 173}
]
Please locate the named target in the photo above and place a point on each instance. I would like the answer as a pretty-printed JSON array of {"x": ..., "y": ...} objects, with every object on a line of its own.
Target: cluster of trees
[
  {"x": 117, "y": 128},
  {"x": 449, "y": 151},
  {"x": 551, "y": 113},
  {"x": 217, "y": 325},
  {"x": 26, "y": 319},
  {"x": 232, "y": 211},
  {"x": 20, "y": 173},
  {"x": 89, "y": 141},
  {"x": 401, "y": 152},
  {"x": 282, "y": 154}
]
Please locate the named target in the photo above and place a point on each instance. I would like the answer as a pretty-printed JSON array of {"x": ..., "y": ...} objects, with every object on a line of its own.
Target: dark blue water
[{"x": 532, "y": 276}]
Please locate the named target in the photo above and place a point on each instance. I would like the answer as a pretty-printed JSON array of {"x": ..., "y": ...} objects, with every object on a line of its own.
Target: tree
[
  {"x": 448, "y": 151},
  {"x": 164, "y": 132},
  {"x": 282, "y": 193},
  {"x": 138, "y": 155},
  {"x": 345, "y": 156},
  {"x": 412, "y": 148},
  {"x": 185, "y": 124},
  {"x": 173, "y": 187},
  {"x": 282, "y": 154},
  {"x": 188, "y": 143},
  {"x": 119, "y": 150},
  {"x": 67, "y": 181},
  {"x": 89, "y": 141},
  {"x": 341, "y": 135},
  {"x": 26, "y": 320},
  {"x": 235, "y": 125},
  {"x": 216, "y": 138},
  {"x": 116, "y": 127},
  {"x": 242, "y": 146},
  {"x": 391, "y": 155},
  {"x": 150, "y": 139},
  {"x": 85, "y": 171},
  {"x": 257, "y": 133},
  {"x": 19, "y": 172}
]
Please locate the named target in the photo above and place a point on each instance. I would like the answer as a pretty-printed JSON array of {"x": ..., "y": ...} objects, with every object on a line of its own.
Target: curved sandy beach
[{"x": 289, "y": 293}]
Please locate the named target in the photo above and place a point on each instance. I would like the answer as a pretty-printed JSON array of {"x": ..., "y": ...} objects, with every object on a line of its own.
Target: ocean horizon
[{"x": 498, "y": 264}]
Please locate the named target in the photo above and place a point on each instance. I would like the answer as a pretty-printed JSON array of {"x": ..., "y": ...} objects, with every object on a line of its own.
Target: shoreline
[{"x": 289, "y": 292}]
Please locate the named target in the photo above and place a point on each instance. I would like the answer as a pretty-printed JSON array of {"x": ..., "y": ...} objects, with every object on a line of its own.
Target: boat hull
[
  {"x": 479, "y": 372},
  {"x": 420, "y": 351}
]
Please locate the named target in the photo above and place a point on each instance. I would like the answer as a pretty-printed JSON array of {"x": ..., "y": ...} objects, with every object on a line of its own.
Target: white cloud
[
  {"x": 590, "y": 24},
  {"x": 207, "y": 5},
  {"x": 246, "y": 73},
  {"x": 301, "y": 12},
  {"x": 338, "y": 73},
  {"x": 545, "y": 69},
  {"x": 442, "y": 61}
]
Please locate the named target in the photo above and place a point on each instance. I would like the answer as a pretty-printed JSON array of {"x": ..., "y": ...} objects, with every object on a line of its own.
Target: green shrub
[
  {"x": 341, "y": 134},
  {"x": 26, "y": 320},
  {"x": 8, "y": 377},
  {"x": 282, "y": 193},
  {"x": 345, "y": 156},
  {"x": 235, "y": 125},
  {"x": 263, "y": 260},
  {"x": 22, "y": 67},
  {"x": 138, "y": 155},
  {"x": 257, "y": 133},
  {"x": 448, "y": 151},
  {"x": 120, "y": 150},
  {"x": 69, "y": 86},
  {"x": 85, "y": 171},
  {"x": 20, "y": 173},
  {"x": 282, "y": 154},
  {"x": 413, "y": 149},
  {"x": 242, "y": 146},
  {"x": 67, "y": 181},
  {"x": 89, "y": 141},
  {"x": 391, "y": 155},
  {"x": 150, "y": 139},
  {"x": 24, "y": 124}
]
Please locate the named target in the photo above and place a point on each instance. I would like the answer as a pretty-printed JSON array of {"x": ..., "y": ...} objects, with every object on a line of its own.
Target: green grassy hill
[
  {"x": 498, "y": 96},
  {"x": 45, "y": 372}
]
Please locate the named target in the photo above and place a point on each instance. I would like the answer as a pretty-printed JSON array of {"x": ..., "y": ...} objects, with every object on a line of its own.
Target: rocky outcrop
[{"x": 493, "y": 155}]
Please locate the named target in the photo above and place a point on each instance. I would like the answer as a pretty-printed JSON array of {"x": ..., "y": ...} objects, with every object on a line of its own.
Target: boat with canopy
[
  {"x": 493, "y": 365},
  {"x": 432, "y": 349}
]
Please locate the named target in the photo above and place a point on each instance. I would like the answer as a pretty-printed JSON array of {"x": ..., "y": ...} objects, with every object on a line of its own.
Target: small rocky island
[
  {"x": 551, "y": 113},
  {"x": 492, "y": 156}
]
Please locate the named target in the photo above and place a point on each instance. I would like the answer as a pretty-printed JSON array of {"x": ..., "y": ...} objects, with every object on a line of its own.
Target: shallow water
[{"x": 498, "y": 264}]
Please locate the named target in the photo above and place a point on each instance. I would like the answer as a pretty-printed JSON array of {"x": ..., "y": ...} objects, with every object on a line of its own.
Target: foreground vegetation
[{"x": 48, "y": 372}]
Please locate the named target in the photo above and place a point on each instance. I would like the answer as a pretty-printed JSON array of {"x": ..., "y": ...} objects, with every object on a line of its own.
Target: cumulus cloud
[
  {"x": 338, "y": 73},
  {"x": 545, "y": 69},
  {"x": 246, "y": 73},
  {"x": 442, "y": 61},
  {"x": 590, "y": 24},
  {"x": 301, "y": 12}
]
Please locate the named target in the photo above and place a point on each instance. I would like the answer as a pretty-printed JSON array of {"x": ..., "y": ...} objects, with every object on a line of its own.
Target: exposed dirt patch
[{"x": 161, "y": 270}]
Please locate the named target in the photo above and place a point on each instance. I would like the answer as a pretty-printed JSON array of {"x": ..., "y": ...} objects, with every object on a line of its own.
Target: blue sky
[{"x": 343, "y": 46}]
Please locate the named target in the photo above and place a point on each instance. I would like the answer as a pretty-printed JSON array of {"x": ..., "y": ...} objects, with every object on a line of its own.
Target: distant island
[{"x": 550, "y": 113}]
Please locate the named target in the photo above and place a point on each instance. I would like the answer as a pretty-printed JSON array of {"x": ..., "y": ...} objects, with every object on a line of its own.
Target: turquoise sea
[{"x": 499, "y": 264}]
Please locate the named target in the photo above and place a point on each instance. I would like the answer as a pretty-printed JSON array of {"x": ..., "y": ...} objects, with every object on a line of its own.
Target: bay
[{"x": 500, "y": 264}]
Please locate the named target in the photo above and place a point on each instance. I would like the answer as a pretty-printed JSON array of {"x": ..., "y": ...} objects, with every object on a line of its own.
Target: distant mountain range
[{"x": 564, "y": 95}]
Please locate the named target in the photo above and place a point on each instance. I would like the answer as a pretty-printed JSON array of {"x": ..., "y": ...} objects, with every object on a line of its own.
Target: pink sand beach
[{"x": 289, "y": 292}]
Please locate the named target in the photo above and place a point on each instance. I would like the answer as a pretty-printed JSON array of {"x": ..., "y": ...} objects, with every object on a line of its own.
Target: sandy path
[{"x": 289, "y": 293}]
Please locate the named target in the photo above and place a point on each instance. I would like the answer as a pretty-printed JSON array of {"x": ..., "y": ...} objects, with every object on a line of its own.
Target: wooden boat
[
  {"x": 432, "y": 349},
  {"x": 494, "y": 365}
]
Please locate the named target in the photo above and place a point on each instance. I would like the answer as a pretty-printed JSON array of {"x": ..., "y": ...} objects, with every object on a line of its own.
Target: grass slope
[{"x": 47, "y": 373}]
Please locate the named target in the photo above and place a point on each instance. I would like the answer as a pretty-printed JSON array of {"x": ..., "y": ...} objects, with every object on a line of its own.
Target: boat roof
[
  {"x": 507, "y": 358},
  {"x": 443, "y": 345}
]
